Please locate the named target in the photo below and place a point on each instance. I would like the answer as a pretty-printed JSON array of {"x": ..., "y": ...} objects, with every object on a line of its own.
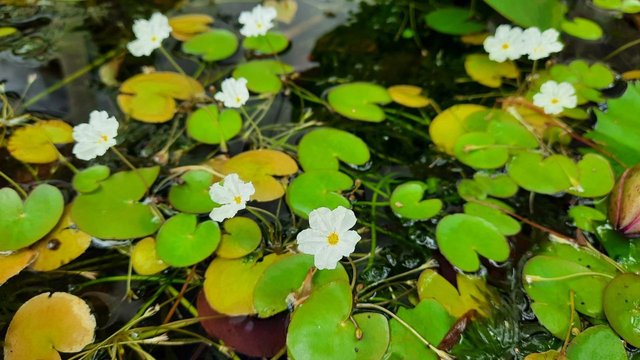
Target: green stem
[
  {"x": 622, "y": 48},
  {"x": 187, "y": 305},
  {"x": 123, "y": 158},
  {"x": 14, "y": 184},
  {"x": 171, "y": 60}
]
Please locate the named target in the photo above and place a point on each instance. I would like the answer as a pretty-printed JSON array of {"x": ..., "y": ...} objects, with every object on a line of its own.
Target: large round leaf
[
  {"x": 191, "y": 194},
  {"x": 35, "y": 144},
  {"x": 181, "y": 241},
  {"x": 359, "y": 101},
  {"x": 480, "y": 150},
  {"x": 215, "y": 45},
  {"x": 622, "y": 306},
  {"x": 322, "y": 149},
  {"x": 208, "y": 126},
  {"x": 263, "y": 75},
  {"x": 597, "y": 342},
  {"x": 504, "y": 223},
  {"x": 545, "y": 176},
  {"x": 406, "y": 201},
  {"x": 315, "y": 189}
]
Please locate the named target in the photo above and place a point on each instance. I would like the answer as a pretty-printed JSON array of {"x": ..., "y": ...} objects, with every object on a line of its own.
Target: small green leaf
[
  {"x": 315, "y": 189},
  {"x": 552, "y": 175},
  {"x": 192, "y": 194},
  {"x": 241, "y": 237},
  {"x": 597, "y": 342},
  {"x": 582, "y": 28},
  {"x": 263, "y": 76},
  {"x": 207, "y": 126},
  {"x": 89, "y": 179},
  {"x": 215, "y": 45},
  {"x": 595, "y": 177},
  {"x": 359, "y": 101},
  {"x": 181, "y": 241},
  {"x": 622, "y": 307},
  {"x": 271, "y": 43},
  {"x": 584, "y": 217},
  {"x": 454, "y": 21},
  {"x": 504, "y": 223},
  {"x": 480, "y": 151},
  {"x": 406, "y": 201},
  {"x": 322, "y": 149},
  {"x": 543, "y": 14}
]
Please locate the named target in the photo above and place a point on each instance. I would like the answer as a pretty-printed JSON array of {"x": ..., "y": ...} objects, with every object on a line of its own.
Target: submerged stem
[{"x": 14, "y": 184}]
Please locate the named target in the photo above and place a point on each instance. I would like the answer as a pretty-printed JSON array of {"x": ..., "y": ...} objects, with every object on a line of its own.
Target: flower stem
[
  {"x": 123, "y": 158},
  {"x": 254, "y": 125},
  {"x": 172, "y": 60},
  {"x": 14, "y": 184}
]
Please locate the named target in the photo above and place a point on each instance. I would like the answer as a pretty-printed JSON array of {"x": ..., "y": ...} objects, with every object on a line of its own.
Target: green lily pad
[
  {"x": 89, "y": 179},
  {"x": 320, "y": 328},
  {"x": 214, "y": 45},
  {"x": 406, "y": 201},
  {"x": 449, "y": 125},
  {"x": 112, "y": 211},
  {"x": 504, "y": 223},
  {"x": 543, "y": 14},
  {"x": 488, "y": 72},
  {"x": 508, "y": 131},
  {"x": 192, "y": 194},
  {"x": 322, "y": 149},
  {"x": 545, "y": 176},
  {"x": 263, "y": 76},
  {"x": 622, "y": 305},
  {"x": 241, "y": 236},
  {"x": 586, "y": 79},
  {"x": 627, "y": 6},
  {"x": 461, "y": 238},
  {"x": 315, "y": 189},
  {"x": 582, "y": 28},
  {"x": 454, "y": 21},
  {"x": 271, "y": 43},
  {"x": 595, "y": 177},
  {"x": 480, "y": 150},
  {"x": 499, "y": 185},
  {"x": 181, "y": 241},
  {"x": 585, "y": 216},
  {"x": 430, "y": 319},
  {"x": 359, "y": 101},
  {"x": 208, "y": 126},
  {"x": 285, "y": 277},
  {"x": 597, "y": 342},
  {"x": 24, "y": 223}
]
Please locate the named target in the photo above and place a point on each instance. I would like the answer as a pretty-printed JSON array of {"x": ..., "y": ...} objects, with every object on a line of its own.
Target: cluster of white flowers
[{"x": 510, "y": 43}]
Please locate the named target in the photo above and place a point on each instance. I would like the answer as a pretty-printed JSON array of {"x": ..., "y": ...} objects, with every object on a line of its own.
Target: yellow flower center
[
  {"x": 259, "y": 25},
  {"x": 104, "y": 138},
  {"x": 154, "y": 38},
  {"x": 333, "y": 238},
  {"x": 238, "y": 100},
  {"x": 505, "y": 46},
  {"x": 555, "y": 101},
  {"x": 238, "y": 199}
]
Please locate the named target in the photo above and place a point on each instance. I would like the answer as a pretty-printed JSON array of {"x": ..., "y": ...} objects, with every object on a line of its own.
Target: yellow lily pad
[
  {"x": 286, "y": 9},
  {"x": 229, "y": 284},
  {"x": 474, "y": 39},
  {"x": 184, "y": 27},
  {"x": 448, "y": 126},
  {"x": 488, "y": 72},
  {"x": 11, "y": 265},
  {"x": 61, "y": 246},
  {"x": 47, "y": 324},
  {"x": 471, "y": 294},
  {"x": 152, "y": 97},
  {"x": 35, "y": 144},
  {"x": 144, "y": 258},
  {"x": 408, "y": 95}
]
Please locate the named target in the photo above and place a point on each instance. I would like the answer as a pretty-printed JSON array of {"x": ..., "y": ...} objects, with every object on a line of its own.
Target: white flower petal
[
  {"x": 149, "y": 34},
  {"x": 220, "y": 194},
  {"x": 311, "y": 241},
  {"x": 139, "y": 48},
  {"x": 223, "y": 212},
  {"x": 343, "y": 219},
  {"x": 326, "y": 261},
  {"x": 321, "y": 220}
]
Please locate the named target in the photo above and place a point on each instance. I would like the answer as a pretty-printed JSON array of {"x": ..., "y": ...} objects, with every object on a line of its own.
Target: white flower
[
  {"x": 330, "y": 237},
  {"x": 232, "y": 195},
  {"x": 149, "y": 34},
  {"x": 257, "y": 21},
  {"x": 539, "y": 45},
  {"x": 96, "y": 137},
  {"x": 505, "y": 44},
  {"x": 554, "y": 97},
  {"x": 234, "y": 93}
]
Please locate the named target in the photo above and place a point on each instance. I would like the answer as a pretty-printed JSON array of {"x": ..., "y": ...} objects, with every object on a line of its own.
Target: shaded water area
[{"x": 333, "y": 42}]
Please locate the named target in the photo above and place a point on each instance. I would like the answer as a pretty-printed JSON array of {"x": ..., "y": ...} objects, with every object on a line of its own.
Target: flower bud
[{"x": 624, "y": 205}]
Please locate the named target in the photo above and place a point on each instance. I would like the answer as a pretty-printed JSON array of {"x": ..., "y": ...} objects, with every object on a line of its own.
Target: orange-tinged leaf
[
  {"x": 408, "y": 95},
  {"x": 11, "y": 265},
  {"x": 35, "y": 144},
  {"x": 184, "y": 27},
  {"x": 449, "y": 125},
  {"x": 144, "y": 257}
]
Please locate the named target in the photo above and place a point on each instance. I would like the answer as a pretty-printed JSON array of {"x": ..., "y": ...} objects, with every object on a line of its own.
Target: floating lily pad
[
  {"x": 322, "y": 149},
  {"x": 22, "y": 224},
  {"x": 260, "y": 167},
  {"x": 359, "y": 101},
  {"x": 321, "y": 329},
  {"x": 181, "y": 241},
  {"x": 480, "y": 150},
  {"x": 499, "y": 185},
  {"x": 430, "y": 319},
  {"x": 597, "y": 342},
  {"x": 208, "y": 126},
  {"x": 449, "y": 125},
  {"x": 586, "y": 79},
  {"x": 35, "y": 144},
  {"x": 472, "y": 293},
  {"x": 585, "y": 216},
  {"x": 61, "y": 246},
  {"x": 241, "y": 236},
  {"x": 315, "y": 189},
  {"x": 12, "y": 264},
  {"x": 113, "y": 212},
  {"x": 462, "y": 238},
  {"x": 408, "y": 95},
  {"x": 543, "y": 14},
  {"x": 192, "y": 194},
  {"x": 406, "y": 201},
  {"x": 454, "y": 21},
  {"x": 271, "y": 43},
  {"x": 508, "y": 131},
  {"x": 504, "y": 223},
  {"x": 627, "y": 6},
  {"x": 285, "y": 277},
  {"x": 552, "y": 175},
  {"x": 263, "y": 76},
  {"x": 595, "y": 177},
  {"x": 89, "y": 179},
  {"x": 488, "y": 72},
  {"x": 582, "y": 28},
  {"x": 214, "y": 45},
  {"x": 8, "y": 31},
  {"x": 241, "y": 275},
  {"x": 152, "y": 97},
  {"x": 184, "y": 27},
  {"x": 621, "y": 306},
  {"x": 70, "y": 327},
  {"x": 144, "y": 257}
]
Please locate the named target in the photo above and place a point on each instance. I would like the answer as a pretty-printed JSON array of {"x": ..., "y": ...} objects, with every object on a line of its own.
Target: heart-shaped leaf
[
  {"x": 272, "y": 42},
  {"x": 181, "y": 241},
  {"x": 472, "y": 293},
  {"x": 144, "y": 258},
  {"x": 449, "y": 125},
  {"x": 152, "y": 97},
  {"x": 192, "y": 194},
  {"x": 214, "y": 45},
  {"x": 627, "y": 6},
  {"x": 454, "y": 21},
  {"x": 241, "y": 236},
  {"x": 322, "y": 149},
  {"x": 545, "y": 176},
  {"x": 89, "y": 179},
  {"x": 35, "y": 144},
  {"x": 430, "y": 319},
  {"x": 241, "y": 275},
  {"x": 504, "y": 223},
  {"x": 184, "y": 27},
  {"x": 488, "y": 72},
  {"x": 480, "y": 150},
  {"x": 315, "y": 189},
  {"x": 582, "y": 28},
  {"x": 113, "y": 212},
  {"x": 461, "y": 238},
  {"x": 406, "y": 201},
  {"x": 408, "y": 95},
  {"x": 208, "y": 126},
  {"x": 22, "y": 224},
  {"x": 321, "y": 329},
  {"x": 597, "y": 342},
  {"x": 621, "y": 305},
  {"x": 263, "y": 76},
  {"x": 507, "y": 130},
  {"x": 359, "y": 101},
  {"x": 483, "y": 185},
  {"x": 285, "y": 277},
  {"x": 595, "y": 177}
]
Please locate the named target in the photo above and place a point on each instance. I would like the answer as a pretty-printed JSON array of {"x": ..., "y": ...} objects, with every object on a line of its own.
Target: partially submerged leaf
[
  {"x": 449, "y": 125},
  {"x": 359, "y": 101},
  {"x": 240, "y": 238},
  {"x": 144, "y": 257},
  {"x": 263, "y": 76},
  {"x": 214, "y": 45},
  {"x": 488, "y": 72},
  {"x": 184, "y": 27},
  {"x": 454, "y": 21},
  {"x": 597, "y": 342},
  {"x": 406, "y": 201},
  {"x": 472, "y": 293},
  {"x": 408, "y": 95},
  {"x": 35, "y": 144},
  {"x": 12, "y": 264},
  {"x": 621, "y": 306}
]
